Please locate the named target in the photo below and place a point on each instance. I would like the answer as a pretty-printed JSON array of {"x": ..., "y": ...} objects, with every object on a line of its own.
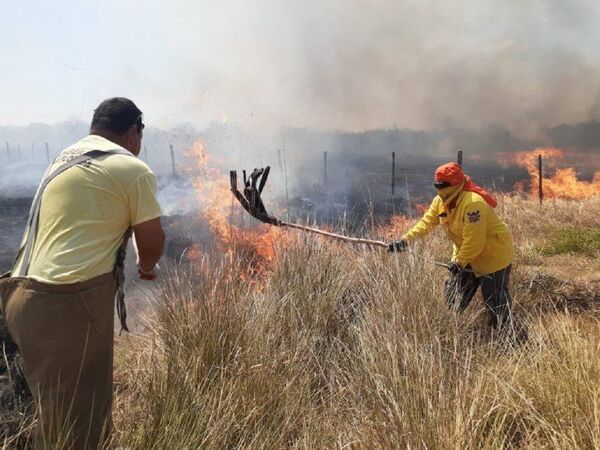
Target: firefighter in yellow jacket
[{"x": 483, "y": 248}]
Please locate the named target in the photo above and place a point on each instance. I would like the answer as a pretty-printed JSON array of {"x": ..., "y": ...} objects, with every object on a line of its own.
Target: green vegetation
[{"x": 568, "y": 240}]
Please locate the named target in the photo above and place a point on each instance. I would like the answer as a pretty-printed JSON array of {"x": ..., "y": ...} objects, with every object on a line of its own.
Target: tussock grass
[
  {"x": 573, "y": 240},
  {"x": 341, "y": 347}
]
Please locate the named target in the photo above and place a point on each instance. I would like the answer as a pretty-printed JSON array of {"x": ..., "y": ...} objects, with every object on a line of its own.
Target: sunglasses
[{"x": 441, "y": 184}]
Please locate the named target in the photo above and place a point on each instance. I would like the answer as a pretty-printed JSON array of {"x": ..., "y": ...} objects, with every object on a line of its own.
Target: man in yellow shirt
[
  {"x": 483, "y": 248},
  {"x": 58, "y": 301}
]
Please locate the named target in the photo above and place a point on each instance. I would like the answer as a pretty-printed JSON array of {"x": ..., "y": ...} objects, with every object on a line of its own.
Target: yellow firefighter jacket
[{"x": 480, "y": 237}]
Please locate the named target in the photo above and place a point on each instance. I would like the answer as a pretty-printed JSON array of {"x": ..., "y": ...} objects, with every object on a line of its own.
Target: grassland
[{"x": 341, "y": 347}]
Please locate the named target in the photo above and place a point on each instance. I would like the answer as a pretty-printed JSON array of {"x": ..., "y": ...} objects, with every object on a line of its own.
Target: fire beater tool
[{"x": 251, "y": 201}]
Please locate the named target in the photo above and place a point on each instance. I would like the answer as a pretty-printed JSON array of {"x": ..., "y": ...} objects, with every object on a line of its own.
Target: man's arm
[
  {"x": 144, "y": 216},
  {"x": 149, "y": 240},
  {"x": 421, "y": 229},
  {"x": 427, "y": 223}
]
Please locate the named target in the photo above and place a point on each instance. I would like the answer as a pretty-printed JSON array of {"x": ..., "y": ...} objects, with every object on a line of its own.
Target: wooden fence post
[
  {"x": 173, "y": 160},
  {"x": 540, "y": 179},
  {"x": 325, "y": 168},
  {"x": 407, "y": 193},
  {"x": 285, "y": 175},
  {"x": 393, "y": 175}
]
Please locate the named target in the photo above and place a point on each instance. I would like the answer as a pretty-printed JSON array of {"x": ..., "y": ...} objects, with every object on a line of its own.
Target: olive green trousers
[{"x": 65, "y": 336}]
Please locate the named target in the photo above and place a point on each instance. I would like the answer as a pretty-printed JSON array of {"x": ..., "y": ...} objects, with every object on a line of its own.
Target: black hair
[{"x": 117, "y": 115}]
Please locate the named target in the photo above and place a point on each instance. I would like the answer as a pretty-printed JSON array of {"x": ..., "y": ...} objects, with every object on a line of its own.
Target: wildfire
[
  {"x": 422, "y": 207},
  {"x": 396, "y": 226},
  {"x": 219, "y": 209},
  {"x": 563, "y": 184}
]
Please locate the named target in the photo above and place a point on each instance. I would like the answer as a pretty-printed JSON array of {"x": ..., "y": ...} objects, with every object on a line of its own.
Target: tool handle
[
  {"x": 339, "y": 237},
  {"x": 368, "y": 242}
]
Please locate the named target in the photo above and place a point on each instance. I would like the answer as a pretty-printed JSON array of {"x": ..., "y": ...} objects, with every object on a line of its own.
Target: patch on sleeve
[{"x": 474, "y": 216}]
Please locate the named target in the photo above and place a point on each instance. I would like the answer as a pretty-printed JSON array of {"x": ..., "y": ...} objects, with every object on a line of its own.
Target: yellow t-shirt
[{"x": 86, "y": 210}]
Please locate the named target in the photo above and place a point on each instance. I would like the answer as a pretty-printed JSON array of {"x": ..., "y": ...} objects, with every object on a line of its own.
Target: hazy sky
[{"x": 347, "y": 64}]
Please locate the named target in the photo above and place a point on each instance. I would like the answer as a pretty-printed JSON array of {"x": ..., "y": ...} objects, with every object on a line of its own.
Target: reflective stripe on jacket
[{"x": 480, "y": 237}]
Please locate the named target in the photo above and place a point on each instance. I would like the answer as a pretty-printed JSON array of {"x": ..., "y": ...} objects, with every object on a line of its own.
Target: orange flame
[
  {"x": 396, "y": 227},
  {"x": 422, "y": 207},
  {"x": 219, "y": 207},
  {"x": 563, "y": 184}
]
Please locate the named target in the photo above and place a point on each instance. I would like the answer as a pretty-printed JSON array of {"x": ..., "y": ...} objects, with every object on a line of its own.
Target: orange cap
[{"x": 451, "y": 173}]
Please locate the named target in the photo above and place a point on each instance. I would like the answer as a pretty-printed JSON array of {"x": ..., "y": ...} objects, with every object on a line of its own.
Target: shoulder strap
[
  {"x": 34, "y": 213},
  {"x": 119, "y": 273}
]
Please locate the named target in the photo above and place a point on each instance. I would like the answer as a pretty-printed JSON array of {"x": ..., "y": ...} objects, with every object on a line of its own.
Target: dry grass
[{"x": 341, "y": 347}]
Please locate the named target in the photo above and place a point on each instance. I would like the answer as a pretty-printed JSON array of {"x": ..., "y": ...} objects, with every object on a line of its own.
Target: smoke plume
[{"x": 355, "y": 65}]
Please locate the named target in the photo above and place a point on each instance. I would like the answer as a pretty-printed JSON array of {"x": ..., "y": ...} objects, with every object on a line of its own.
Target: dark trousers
[{"x": 461, "y": 288}]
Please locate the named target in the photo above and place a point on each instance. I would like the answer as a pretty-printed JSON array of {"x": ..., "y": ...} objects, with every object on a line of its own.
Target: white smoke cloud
[
  {"x": 342, "y": 64},
  {"x": 352, "y": 64}
]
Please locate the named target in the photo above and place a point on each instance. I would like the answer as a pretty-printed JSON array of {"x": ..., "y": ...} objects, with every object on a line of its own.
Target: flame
[
  {"x": 422, "y": 207},
  {"x": 396, "y": 227},
  {"x": 194, "y": 253},
  {"x": 563, "y": 184},
  {"x": 219, "y": 209}
]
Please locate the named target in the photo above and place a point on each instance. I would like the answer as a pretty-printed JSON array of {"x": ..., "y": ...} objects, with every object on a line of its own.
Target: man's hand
[
  {"x": 398, "y": 246},
  {"x": 149, "y": 240},
  {"x": 148, "y": 275},
  {"x": 455, "y": 268}
]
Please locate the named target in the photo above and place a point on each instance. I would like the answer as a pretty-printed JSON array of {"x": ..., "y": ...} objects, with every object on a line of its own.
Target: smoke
[
  {"x": 352, "y": 65},
  {"x": 20, "y": 179},
  {"x": 351, "y": 77},
  {"x": 356, "y": 65}
]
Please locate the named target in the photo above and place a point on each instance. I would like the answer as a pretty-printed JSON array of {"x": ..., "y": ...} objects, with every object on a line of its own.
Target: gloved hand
[
  {"x": 455, "y": 268},
  {"x": 398, "y": 246}
]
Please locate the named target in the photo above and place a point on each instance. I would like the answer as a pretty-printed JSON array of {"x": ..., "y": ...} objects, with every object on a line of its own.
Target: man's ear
[
  {"x": 132, "y": 139},
  {"x": 133, "y": 131}
]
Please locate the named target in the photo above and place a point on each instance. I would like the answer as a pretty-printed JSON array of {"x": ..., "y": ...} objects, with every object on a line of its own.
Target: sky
[{"x": 329, "y": 64}]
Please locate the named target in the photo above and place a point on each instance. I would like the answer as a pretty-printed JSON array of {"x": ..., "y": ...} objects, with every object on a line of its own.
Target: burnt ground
[
  {"x": 15, "y": 399},
  {"x": 13, "y": 216},
  {"x": 16, "y": 404}
]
